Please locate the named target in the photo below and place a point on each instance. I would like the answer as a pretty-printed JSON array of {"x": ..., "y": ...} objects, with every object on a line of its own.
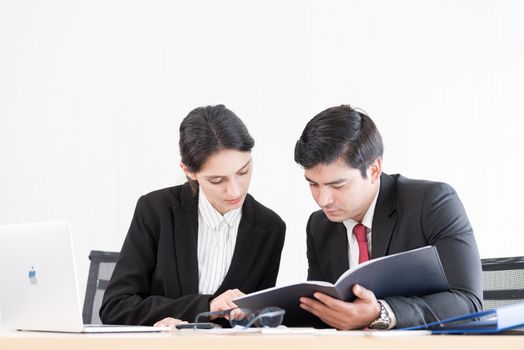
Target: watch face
[
  {"x": 379, "y": 324},
  {"x": 383, "y": 321}
]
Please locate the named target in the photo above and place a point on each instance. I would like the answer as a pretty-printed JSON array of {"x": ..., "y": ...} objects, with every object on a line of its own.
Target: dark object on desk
[
  {"x": 199, "y": 325},
  {"x": 412, "y": 273},
  {"x": 503, "y": 281},
  {"x": 100, "y": 271}
]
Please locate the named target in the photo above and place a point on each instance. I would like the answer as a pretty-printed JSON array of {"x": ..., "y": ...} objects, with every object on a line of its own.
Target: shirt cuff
[{"x": 391, "y": 314}]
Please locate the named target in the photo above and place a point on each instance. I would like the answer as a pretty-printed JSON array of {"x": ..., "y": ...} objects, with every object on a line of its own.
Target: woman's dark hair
[
  {"x": 339, "y": 132},
  {"x": 207, "y": 130}
]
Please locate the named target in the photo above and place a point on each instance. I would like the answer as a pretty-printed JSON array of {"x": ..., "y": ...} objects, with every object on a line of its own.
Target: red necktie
[{"x": 360, "y": 233}]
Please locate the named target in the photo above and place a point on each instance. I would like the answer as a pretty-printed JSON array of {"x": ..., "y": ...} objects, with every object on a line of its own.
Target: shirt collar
[
  {"x": 212, "y": 217},
  {"x": 367, "y": 220}
]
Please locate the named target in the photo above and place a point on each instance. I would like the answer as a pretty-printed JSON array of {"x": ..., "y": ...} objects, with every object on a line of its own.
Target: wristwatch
[{"x": 383, "y": 321}]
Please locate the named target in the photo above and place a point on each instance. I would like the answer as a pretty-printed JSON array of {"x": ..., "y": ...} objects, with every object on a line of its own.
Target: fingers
[
  {"x": 237, "y": 314},
  {"x": 234, "y": 293},
  {"x": 225, "y": 300},
  {"x": 363, "y": 293},
  {"x": 230, "y": 295},
  {"x": 231, "y": 304},
  {"x": 313, "y": 306},
  {"x": 344, "y": 315},
  {"x": 168, "y": 322},
  {"x": 320, "y": 310},
  {"x": 329, "y": 301}
]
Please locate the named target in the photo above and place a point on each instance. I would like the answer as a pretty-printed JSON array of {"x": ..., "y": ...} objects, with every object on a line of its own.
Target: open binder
[
  {"x": 414, "y": 272},
  {"x": 488, "y": 321}
]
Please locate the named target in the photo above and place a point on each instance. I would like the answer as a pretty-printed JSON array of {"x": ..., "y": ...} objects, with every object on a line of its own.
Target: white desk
[{"x": 253, "y": 341}]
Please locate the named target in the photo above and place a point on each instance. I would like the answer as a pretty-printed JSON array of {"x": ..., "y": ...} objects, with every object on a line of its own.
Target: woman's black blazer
[{"x": 156, "y": 275}]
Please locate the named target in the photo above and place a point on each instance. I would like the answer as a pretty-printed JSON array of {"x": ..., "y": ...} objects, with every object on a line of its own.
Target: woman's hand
[
  {"x": 169, "y": 322},
  {"x": 224, "y": 301}
]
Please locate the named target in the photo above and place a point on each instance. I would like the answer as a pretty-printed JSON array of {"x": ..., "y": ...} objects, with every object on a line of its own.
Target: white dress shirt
[
  {"x": 217, "y": 235},
  {"x": 367, "y": 221},
  {"x": 353, "y": 251}
]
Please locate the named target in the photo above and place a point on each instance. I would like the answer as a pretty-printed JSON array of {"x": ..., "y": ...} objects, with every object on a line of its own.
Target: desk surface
[{"x": 254, "y": 341}]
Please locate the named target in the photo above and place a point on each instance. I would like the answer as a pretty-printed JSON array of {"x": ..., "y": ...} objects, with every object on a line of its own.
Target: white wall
[{"x": 92, "y": 93}]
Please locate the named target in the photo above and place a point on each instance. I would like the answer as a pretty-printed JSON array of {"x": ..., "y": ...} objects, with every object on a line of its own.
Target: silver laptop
[{"x": 38, "y": 283}]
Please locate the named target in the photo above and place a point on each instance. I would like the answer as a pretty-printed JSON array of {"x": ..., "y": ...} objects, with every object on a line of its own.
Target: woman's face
[{"x": 224, "y": 178}]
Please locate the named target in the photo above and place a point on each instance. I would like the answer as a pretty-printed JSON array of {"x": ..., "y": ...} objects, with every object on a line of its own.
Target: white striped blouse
[{"x": 217, "y": 235}]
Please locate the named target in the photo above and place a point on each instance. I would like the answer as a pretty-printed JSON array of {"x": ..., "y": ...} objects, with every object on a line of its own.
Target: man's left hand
[{"x": 344, "y": 315}]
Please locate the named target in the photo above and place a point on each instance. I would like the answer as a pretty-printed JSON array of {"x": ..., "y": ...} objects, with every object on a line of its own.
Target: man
[{"x": 368, "y": 214}]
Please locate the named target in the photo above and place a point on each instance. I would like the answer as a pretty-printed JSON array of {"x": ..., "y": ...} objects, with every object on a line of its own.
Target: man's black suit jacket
[
  {"x": 156, "y": 275},
  {"x": 409, "y": 214}
]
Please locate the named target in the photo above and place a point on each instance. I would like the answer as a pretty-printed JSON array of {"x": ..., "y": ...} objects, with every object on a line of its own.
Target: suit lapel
[
  {"x": 338, "y": 251},
  {"x": 249, "y": 238},
  {"x": 248, "y": 242},
  {"x": 383, "y": 223},
  {"x": 185, "y": 228}
]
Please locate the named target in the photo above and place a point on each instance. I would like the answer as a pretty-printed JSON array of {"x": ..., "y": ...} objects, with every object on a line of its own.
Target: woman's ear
[{"x": 189, "y": 174}]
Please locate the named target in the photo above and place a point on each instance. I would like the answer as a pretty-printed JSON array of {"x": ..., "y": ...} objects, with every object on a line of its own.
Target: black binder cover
[{"x": 415, "y": 272}]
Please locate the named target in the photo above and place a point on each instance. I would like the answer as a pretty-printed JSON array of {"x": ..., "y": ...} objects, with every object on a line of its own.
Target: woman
[{"x": 198, "y": 246}]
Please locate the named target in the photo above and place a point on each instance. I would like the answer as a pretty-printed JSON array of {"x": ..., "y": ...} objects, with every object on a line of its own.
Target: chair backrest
[
  {"x": 503, "y": 281},
  {"x": 100, "y": 271}
]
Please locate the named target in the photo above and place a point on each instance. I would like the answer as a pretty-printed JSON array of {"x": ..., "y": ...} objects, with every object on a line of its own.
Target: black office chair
[
  {"x": 503, "y": 281},
  {"x": 100, "y": 271}
]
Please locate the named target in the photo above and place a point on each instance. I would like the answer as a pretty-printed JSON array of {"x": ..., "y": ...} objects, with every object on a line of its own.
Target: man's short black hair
[{"x": 339, "y": 132}]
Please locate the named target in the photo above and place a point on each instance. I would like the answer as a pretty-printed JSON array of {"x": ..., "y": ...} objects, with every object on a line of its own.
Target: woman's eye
[
  {"x": 215, "y": 182},
  {"x": 243, "y": 173}
]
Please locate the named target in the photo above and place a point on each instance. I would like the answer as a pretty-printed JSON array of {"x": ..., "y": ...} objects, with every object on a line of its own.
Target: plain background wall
[{"x": 92, "y": 94}]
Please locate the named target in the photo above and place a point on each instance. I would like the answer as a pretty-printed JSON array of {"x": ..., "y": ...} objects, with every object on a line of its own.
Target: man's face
[{"x": 341, "y": 191}]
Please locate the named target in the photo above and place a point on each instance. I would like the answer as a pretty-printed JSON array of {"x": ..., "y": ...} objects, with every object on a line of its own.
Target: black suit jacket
[
  {"x": 156, "y": 275},
  {"x": 409, "y": 214}
]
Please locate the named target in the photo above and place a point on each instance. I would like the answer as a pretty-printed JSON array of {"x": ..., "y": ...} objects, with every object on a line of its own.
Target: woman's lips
[{"x": 234, "y": 201}]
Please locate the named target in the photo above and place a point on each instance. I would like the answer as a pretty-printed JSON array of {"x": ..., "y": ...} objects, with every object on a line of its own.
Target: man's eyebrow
[{"x": 336, "y": 182}]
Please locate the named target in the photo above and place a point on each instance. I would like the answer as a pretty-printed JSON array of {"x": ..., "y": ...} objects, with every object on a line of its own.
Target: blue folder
[{"x": 488, "y": 321}]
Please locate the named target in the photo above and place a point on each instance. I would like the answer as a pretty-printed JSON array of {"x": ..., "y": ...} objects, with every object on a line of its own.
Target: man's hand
[
  {"x": 344, "y": 315},
  {"x": 224, "y": 301}
]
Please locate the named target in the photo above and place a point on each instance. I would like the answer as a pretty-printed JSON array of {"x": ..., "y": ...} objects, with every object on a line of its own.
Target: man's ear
[
  {"x": 189, "y": 174},
  {"x": 375, "y": 169}
]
